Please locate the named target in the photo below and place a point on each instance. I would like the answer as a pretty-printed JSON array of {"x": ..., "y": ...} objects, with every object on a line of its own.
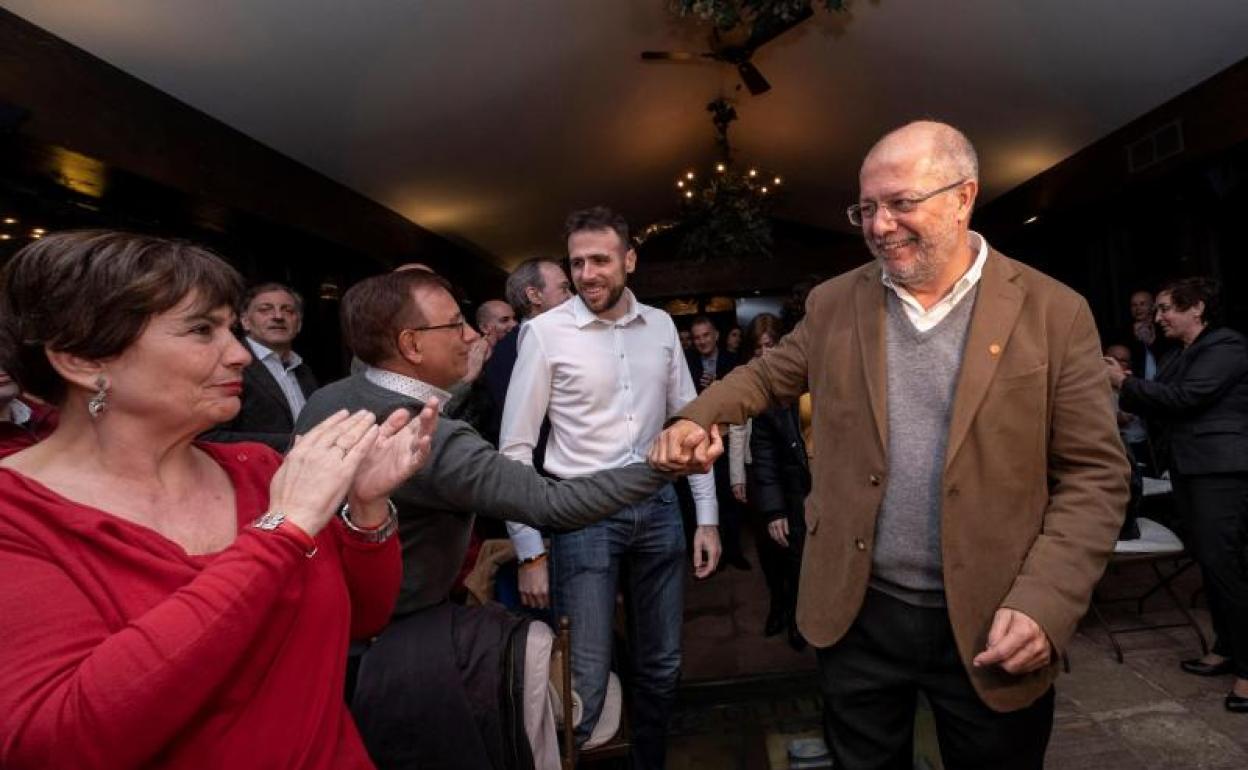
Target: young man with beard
[
  {"x": 968, "y": 484},
  {"x": 608, "y": 371}
]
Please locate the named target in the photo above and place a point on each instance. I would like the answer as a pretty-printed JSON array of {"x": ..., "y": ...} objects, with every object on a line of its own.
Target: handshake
[{"x": 685, "y": 447}]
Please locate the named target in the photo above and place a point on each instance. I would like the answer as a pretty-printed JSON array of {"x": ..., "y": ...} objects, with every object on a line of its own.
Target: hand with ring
[{"x": 314, "y": 477}]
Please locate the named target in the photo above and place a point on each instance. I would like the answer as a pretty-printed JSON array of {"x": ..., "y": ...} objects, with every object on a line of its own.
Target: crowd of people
[{"x": 202, "y": 549}]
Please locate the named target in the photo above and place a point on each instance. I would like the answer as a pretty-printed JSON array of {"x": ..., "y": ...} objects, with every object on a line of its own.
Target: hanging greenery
[
  {"x": 728, "y": 14},
  {"x": 725, "y": 213}
]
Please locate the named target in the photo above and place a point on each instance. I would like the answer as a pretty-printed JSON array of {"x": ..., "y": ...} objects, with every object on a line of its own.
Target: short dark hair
[
  {"x": 702, "y": 319},
  {"x": 598, "y": 218},
  {"x": 376, "y": 309},
  {"x": 261, "y": 288},
  {"x": 91, "y": 293},
  {"x": 1186, "y": 292},
  {"x": 763, "y": 323},
  {"x": 529, "y": 273}
]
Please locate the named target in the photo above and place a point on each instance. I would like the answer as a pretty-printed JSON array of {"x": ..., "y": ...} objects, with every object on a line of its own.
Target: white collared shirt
[
  {"x": 607, "y": 386},
  {"x": 924, "y": 319},
  {"x": 284, "y": 373},
  {"x": 417, "y": 390}
]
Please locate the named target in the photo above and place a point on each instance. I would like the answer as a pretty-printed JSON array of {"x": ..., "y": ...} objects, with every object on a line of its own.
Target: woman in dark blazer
[
  {"x": 1199, "y": 405},
  {"x": 778, "y": 477}
]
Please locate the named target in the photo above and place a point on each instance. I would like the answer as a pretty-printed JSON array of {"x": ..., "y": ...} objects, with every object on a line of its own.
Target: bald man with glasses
[{"x": 969, "y": 481}]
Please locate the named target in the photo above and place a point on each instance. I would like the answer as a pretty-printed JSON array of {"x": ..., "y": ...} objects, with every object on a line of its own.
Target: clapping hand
[
  {"x": 402, "y": 447},
  {"x": 320, "y": 467},
  {"x": 685, "y": 447}
]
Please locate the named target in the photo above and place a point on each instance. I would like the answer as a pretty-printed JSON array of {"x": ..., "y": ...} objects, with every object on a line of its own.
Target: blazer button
[
  {"x": 859, "y": 544},
  {"x": 874, "y": 479}
]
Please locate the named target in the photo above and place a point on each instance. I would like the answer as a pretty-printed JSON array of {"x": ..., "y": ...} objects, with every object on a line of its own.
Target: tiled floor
[{"x": 744, "y": 696}]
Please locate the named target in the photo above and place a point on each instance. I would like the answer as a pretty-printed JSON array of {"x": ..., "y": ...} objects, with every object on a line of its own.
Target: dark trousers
[
  {"x": 1214, "y": 510},
  {"x": 871, "y": 679}
]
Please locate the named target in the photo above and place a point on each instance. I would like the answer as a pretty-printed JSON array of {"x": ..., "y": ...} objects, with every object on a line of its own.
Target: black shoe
[
  {"x": 777, "y": 619},
  {"x": 1237, "y": 703},
  {"x": 738, "y": 561},
  {"x": 1200, "y": 668}
]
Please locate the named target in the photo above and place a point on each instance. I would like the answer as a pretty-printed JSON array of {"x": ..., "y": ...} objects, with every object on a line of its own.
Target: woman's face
[
  {"x": 185, "y": 371},
  {"x": 765, "y": 342},
  {"x": 733, "y": 341},
  {"x": 1182, "y": 325}
]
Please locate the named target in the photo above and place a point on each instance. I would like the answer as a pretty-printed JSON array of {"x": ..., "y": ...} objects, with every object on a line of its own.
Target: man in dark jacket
[{"x": 277, "y": 382}]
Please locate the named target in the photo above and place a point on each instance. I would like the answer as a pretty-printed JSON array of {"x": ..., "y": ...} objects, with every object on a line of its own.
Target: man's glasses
[
  {"x": 458, "y": 326},
  {"x": 861, "y": 212}
]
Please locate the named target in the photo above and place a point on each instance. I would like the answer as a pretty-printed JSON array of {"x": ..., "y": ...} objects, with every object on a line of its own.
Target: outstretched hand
[
  {"x": 402, "y": 447},
  {"x": 685, "y": 447}
]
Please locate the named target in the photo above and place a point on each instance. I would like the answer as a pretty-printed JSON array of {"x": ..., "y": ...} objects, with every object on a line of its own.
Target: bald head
[
  {"x": 495, "y": 318},
  {"x": 944, "y": 150},
  {"x": 421, "y": 266}
]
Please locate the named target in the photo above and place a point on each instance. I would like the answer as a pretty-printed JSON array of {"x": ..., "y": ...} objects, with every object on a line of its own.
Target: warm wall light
[
  {"x": 10, "y": 221},
  {"x": 5, "y": 236},
  {"x": 38, "y": 231}
]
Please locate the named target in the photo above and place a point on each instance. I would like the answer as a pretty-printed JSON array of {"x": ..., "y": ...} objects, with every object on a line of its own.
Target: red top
[
  {"x": 118, "y": 649},
  {"x": 14, "y": 437}
]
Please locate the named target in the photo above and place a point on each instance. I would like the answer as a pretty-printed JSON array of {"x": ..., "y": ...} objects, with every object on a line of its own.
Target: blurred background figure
[{"x": 1198, "y": 404}]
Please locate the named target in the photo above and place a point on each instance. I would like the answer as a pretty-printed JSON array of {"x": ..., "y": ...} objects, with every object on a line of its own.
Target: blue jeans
[{"x": 648, "y": 540}]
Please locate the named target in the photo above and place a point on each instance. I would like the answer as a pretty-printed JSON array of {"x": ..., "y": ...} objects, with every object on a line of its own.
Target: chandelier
[{"x": 725, "y": 212}]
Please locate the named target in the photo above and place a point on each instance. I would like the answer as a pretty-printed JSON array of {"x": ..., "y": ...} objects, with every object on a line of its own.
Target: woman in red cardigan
[{"x": 164, "y": 602}]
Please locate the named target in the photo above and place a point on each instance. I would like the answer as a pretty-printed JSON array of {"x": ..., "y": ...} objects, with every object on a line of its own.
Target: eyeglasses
[
  {"x": 861, "y": 212},
  {"x": 456, "y": 325}
]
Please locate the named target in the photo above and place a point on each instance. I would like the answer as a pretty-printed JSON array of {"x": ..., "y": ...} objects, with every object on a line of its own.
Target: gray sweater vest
[{"x": 922, "y": 377}]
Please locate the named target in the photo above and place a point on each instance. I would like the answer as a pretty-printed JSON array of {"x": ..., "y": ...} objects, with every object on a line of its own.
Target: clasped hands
[{"x": 352, "y": 456}]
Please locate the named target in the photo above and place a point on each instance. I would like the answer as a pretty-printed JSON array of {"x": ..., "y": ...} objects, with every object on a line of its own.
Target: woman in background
[{"x": 1199, "y": 403}]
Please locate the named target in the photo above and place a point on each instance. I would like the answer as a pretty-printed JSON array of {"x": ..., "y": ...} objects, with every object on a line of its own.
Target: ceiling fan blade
[
  {"x": 753, "y": 79},
  {"x": 770, "y": 27},
  {"x": 673, "y": 56}
]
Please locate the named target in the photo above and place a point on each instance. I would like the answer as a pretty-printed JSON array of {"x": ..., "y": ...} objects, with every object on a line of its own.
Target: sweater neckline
[{"x": 89, "y": 515}]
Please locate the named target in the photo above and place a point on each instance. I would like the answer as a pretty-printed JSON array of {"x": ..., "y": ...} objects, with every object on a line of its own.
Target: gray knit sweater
[{"x": 922, "y": 377}]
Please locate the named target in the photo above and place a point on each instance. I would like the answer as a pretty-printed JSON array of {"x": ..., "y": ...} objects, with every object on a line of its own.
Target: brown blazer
[{"x": 1035, "y": 483}]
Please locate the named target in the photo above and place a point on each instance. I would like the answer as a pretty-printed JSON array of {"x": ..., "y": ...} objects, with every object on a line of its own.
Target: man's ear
[
  {"x": 630, "y": 261},
  {"x": 410, "y": 346},
  {"x": 533, "y": 296},
  {"x": 82, "y": 372},
  {"x": 967, "y": 194}
]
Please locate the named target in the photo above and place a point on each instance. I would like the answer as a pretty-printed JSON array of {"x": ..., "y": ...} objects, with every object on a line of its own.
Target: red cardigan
[{"x": 118, "y": 649}]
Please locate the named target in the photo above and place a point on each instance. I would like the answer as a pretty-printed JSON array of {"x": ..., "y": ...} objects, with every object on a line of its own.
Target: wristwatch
[
  {"x": 275, "y": 521},
  {"x": 375, "y": 535}
]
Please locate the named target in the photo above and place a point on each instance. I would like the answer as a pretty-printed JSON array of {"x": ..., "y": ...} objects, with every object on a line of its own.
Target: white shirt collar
[
  {"x": 583, "y": 316},
  {"x": 263, "y": 352},
  {"x": 407, "y": 386},
  {"x": 960, "y": 288}
]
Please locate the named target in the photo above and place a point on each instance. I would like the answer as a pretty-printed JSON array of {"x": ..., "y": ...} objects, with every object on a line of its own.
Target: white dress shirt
[
  {"x": 284, "y": 373},
  {"x": 924, "y": 319},
  {"x": 607, "y": 386}
]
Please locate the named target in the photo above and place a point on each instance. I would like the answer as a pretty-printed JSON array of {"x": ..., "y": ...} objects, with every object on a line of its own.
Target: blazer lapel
[
  {"x": 869, "y": 320},
  {"x": 997, "y": 305},
  {"x": 262, "y": 378}
]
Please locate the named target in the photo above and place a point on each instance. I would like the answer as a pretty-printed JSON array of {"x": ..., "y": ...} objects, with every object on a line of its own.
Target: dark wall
[
  {"x": 1108, "y": 229},
  {"x": 84, "y": 144}
]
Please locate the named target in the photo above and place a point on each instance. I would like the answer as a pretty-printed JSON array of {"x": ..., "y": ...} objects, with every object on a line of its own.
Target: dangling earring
[{"x": 98, "y": 402}]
